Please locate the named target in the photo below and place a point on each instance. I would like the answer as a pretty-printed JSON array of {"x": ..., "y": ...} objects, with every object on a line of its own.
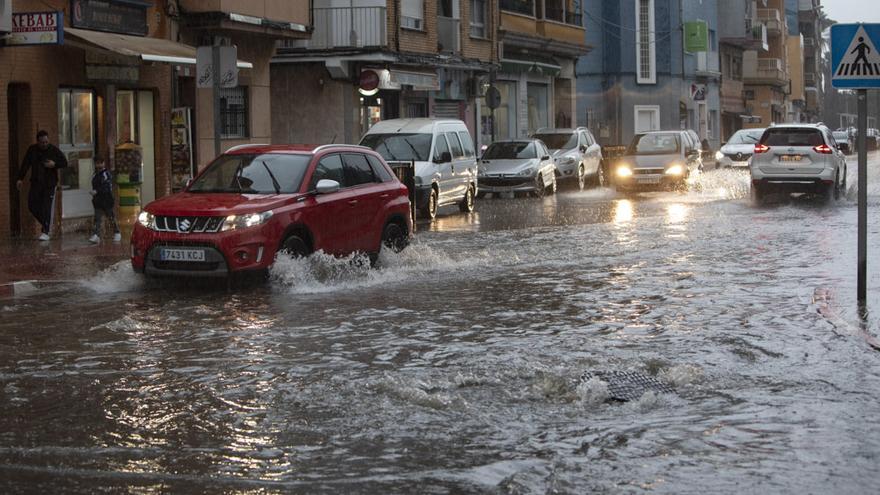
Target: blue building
[{"x": 638, "y": 77}]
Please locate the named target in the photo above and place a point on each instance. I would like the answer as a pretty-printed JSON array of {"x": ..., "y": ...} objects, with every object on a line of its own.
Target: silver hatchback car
[{"x": 798, "y": 158}]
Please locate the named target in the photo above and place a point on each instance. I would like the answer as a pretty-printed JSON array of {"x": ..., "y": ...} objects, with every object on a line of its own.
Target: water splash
[{"x": 118, "y": 277}]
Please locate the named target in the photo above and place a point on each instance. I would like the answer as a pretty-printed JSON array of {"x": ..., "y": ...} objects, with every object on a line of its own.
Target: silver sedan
[{"x": 520, "y": 166}]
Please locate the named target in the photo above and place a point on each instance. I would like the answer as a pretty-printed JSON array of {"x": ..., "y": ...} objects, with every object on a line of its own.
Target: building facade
[
  {"x": 766, "y": 79},
  {"x": 372, "y": 60},
  {"x": 641, "y": 76},
  {"x": 811, "y": 25},
  {"x": 739, "y": 31},
  {"x": 114, "y": 76}
]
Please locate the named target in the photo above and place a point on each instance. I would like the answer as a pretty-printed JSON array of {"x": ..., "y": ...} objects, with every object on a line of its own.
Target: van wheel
[
  {"x": 394, "y": 237},
  {"x": 467, "y": 203},
  {"x": 540, "y": 188},
  {"x": 430, "y": 210},
  {"x": 295, "y": 246}
]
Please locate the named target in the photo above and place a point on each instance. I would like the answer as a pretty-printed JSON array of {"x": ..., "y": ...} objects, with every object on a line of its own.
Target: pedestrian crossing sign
[{"x": 855, "y": 61}]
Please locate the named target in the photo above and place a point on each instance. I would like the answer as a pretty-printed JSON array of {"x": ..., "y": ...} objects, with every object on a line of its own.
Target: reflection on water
[{"x": 623, "y": 211}]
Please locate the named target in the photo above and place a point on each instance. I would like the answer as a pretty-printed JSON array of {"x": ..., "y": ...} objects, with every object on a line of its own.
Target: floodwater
[{"x": 454, "y": 367}]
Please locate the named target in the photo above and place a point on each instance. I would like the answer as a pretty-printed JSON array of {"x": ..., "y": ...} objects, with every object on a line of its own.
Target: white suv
[{"x": 801, "y": 158}]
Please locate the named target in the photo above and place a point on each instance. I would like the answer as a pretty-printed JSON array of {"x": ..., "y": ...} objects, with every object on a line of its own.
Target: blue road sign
[{"x": 855, "y": 61}]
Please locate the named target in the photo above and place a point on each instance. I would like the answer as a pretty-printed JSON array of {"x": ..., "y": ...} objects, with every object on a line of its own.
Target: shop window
[
  {"x": 234, "y": 113},
  {"x": 478, "y": 18},
  {"x": 76, "y": 130},
  {"x": 126, "y": 117},
  {"x": 504, "y": 116},
  {"x": 412, "y": 14},
  {"x": 538, "y": 98}
]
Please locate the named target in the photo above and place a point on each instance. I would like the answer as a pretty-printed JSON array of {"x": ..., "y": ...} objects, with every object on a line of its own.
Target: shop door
[
  {"x": 18, "y": 111},
  {"x": 148, "y": 145}
]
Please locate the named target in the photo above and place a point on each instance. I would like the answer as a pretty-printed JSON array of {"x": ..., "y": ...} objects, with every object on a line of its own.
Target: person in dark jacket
[
  {"x": 103, "y": 201},
  {"x": 42, "y": 160}
]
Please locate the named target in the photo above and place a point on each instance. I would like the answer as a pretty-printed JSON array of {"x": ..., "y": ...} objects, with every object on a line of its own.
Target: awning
[
  {"x": 535, "y": 65},
  {"x": 143, "y": 48}
]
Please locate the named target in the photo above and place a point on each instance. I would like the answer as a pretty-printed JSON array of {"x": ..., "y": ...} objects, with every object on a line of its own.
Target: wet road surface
[{"x": 455, "y": 366}]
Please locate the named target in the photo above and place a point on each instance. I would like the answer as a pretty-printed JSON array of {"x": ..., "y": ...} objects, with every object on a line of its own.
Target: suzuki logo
[{"x": 184, "y": 225}]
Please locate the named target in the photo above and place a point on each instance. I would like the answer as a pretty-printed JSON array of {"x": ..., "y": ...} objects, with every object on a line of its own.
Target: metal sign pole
[
  {"x": 215, "y": 77},
  {"x": 862, "y": 287}
]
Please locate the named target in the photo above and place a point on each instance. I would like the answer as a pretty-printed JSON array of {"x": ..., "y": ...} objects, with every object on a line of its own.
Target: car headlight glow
[
  {"x": 147, "y": 219},
  {"x": 675, "y": 169},
  {"x": 624, "y": 171},
  {"x": 233, "y": 222},
  {"x": 719, "y": 155}
]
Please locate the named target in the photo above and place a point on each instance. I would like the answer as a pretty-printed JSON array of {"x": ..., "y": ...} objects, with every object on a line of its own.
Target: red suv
[{"x": 256, "y": 200}]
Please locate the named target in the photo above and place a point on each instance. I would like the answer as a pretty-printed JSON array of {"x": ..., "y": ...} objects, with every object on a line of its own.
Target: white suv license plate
[
  {"x": 648, "y": 180},
  {"x": 182, "y": 254}
]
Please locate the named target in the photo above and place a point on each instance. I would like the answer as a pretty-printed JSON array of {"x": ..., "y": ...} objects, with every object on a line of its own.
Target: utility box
[{"x": 5, "y": 17}]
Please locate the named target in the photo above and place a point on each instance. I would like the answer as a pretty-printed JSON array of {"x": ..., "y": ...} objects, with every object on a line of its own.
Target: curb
[{"x": 23, "y": 288}]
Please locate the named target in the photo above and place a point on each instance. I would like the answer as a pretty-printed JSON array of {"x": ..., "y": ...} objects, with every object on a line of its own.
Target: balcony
[
  {"x": 344, "y": 27},
  {"x": 809, "y": 45},
  {"x": 524, "y": 7},
  {"x": 766, "y": 71},
  {"x": 772, "y": 19},
  {"x": 563, "y": 16},
  {"x": 753, "y": 36},
  {"x": 732, "y": 96},
  {"x": 448, "y": 35},
  {"x": 810, "y": 80},
  {"x": 248, "y": 15}
]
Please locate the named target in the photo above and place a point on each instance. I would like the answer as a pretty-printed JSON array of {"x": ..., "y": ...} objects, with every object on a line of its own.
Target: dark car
[{"x": 255, "y": 201}]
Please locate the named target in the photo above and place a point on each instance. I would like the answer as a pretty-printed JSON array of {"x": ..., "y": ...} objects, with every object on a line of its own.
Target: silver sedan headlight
[
  {"x": 233, "y": 222},
  {"x": 528, "y": 171},
  {"x": 568, "y": 160}
]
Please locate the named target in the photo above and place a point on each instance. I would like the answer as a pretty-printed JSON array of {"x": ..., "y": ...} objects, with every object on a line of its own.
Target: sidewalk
[{"x": 68, "y": 257}]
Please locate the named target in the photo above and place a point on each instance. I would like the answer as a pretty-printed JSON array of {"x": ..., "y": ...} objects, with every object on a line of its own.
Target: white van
[{"x": 443, "y": 151}]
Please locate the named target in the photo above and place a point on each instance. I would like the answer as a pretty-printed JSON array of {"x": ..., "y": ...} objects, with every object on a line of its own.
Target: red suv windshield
[{"x": 270, "y": 173}]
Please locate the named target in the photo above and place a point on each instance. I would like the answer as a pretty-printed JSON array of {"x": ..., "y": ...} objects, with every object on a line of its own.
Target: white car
[
  {"x": 518, "y": 166},
  {"x": 443, "y": 152},
  {"x": 738, "y": 150},
  {"x": 798, "y": 158}
]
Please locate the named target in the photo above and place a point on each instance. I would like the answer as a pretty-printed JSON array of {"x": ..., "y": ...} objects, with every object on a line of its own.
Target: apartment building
[
  {"x": 739, "y": 31},
  {"x": 113, "y": 72},
  {"x": 371, "y": 60},
  {"x": 541, "y": 42},
  {"x": 811, "y": 23},
  {"x": 766, "y": 79}
]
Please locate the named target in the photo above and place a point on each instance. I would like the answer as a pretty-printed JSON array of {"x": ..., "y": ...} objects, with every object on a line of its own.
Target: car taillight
[
  {"x": 761, "y": 148},
  {"x": 822, "y": 148}
]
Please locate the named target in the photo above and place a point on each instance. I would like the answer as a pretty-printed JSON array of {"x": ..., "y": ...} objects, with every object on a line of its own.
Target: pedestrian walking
[
  {"x": 42, "y": 160},
  {"x": 103, "y": 201}
]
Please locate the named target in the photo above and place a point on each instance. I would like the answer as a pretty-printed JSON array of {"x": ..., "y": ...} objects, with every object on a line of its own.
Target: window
[
  {"x": 253, "y": 174},
  {"x": 511, "y": 150},
  {"x": 412, "y": 14},
  {"x": 440, "y": 147},
  {"x": 538, "y": 101},
  {"x": 525, "y": 7},
  {"x": 454, "y": 145},
  {"x": 330, "y": 168},
  {"x": 358, "y": 170},
  {"x": 645, "y": 42},
  {"x": 478, "y": 18},
  {"x": 647, "y": 118},
  {"x": 466, "y": 143},
  {"x": 234, "y": 113},
  {"x": 76, "y": 136},
  {"x": 378, "y": 169}
]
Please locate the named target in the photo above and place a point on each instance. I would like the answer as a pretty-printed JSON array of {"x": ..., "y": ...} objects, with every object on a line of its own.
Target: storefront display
[{"x": 181, "y": 148}]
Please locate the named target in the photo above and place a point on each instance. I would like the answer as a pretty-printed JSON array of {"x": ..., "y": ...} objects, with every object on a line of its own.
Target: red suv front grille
[{"x": 189, "y": 225}]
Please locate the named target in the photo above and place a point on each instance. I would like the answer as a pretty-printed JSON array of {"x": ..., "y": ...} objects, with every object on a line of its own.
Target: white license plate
[
  {"x": 648, "y": 180},
  {"x": 182, "y": 254},
  {"x": 790, "y": 158}
]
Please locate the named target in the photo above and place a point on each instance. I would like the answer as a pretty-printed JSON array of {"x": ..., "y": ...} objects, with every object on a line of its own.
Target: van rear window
[{"x": 792, "y": 137}]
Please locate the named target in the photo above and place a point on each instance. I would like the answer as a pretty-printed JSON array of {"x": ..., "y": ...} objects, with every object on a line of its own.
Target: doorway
[
  {"x": 135, "y": 123},
  {"x": 18, "y": 105}
]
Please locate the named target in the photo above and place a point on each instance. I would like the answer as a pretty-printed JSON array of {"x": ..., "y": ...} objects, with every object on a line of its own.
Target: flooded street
[{"x": 456, "y": 365}]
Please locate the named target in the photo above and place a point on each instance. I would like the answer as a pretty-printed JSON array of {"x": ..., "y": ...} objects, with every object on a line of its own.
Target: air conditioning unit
[{"x": 5, "y": 17}]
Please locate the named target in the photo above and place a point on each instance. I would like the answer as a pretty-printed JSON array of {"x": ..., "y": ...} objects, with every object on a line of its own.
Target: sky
[{"x": 852, "y": 10}]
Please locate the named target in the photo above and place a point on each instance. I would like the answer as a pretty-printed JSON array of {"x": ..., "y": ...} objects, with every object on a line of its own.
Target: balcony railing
[
  {"x": 449, "y": 34},
  {"x": 770, "y": 69},
  {"x": 345, "y": 27},
  {"x": 772, "y": 19},
  {"x": 810, "y": 80}
]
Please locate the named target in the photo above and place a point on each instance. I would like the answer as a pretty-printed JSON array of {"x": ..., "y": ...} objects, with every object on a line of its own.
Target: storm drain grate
[{"x": 628, "y": 385}]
